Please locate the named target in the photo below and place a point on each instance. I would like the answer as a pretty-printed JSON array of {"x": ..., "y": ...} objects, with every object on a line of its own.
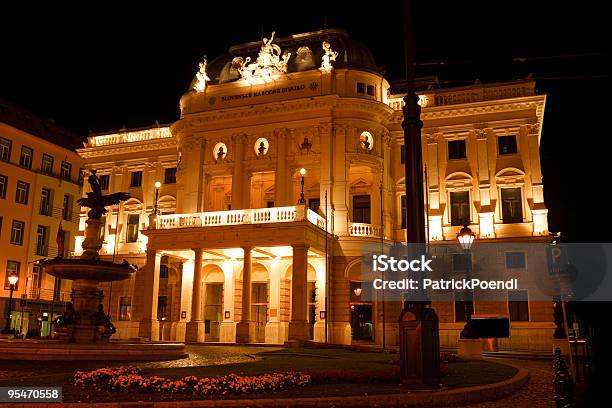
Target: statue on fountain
[
  {"x": 96, "y": 201},
  {"x": 84, "y": 321}
]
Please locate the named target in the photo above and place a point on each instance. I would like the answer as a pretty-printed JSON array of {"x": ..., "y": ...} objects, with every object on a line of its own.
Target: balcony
[
  {"x": 358, "y": 229},
  {"x": 240, "y": 217}
]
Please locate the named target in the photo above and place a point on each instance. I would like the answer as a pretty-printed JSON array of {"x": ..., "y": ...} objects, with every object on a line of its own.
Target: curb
[{"x": 444, "y": 398}]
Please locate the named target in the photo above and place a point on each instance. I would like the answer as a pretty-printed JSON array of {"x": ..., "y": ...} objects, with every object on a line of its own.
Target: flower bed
[{"x": 131, "y": 379}]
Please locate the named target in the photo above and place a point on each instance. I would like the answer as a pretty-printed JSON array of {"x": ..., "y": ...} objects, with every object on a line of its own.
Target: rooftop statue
[
  {"x": 329, "y": 57},
  {"x": 96, "y": 201},
  {"x": 202, "y": 77},
  {"x": 269, "y": 61}
]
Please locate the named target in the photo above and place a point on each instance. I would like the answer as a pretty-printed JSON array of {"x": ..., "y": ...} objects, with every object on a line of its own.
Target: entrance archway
[
  {"x": 260, "y": 299},
  {"x": 361, "y": 306},
  {"x": 213, "y": 302}
]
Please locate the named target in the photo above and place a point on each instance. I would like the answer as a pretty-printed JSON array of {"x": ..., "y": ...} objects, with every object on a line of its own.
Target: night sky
[{"x": 94, "y": 68}]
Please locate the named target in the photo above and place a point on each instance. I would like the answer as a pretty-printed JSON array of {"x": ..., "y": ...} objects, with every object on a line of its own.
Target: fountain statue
[{"x": 84, "y": 321}]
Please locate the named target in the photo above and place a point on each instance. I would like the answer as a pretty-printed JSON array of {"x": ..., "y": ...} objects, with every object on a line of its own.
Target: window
[
  {"x": 21, "y": 195},
  {"x": 403, "y": 205},
  {"x": 403, "y": 154},
  {"x": 456, "y": 149},
  {"x": 3, "y": 185},
  {"x": 41, "y": 240},
  {"x": 104, "y": 181},
  {"x": 36, "y": 277},
  {"x": 11, "y": 266},
  {"x": 464, "y": 304},
  {"x": 125, "y": 308},
  {"x": 163, "y": 271},
  {"x": 314, "y": 204},
  {"x": 506, "y": 144},
  {"x": 460, "y": 207},
  {"x": 136, "y": 179},
  {"x": 461, "y": 262},
  {"x": 66, "y": 171},
  {"x": 102, "y": 227},
  {"x": 25, "y": 160},
  {"x": 162, "y": 305},
  {"x": 47, "y": 164},
  {"x": 81, "y": 178},
  {"x": 67, "y": 207},
  {"x": 170, "y": 175},
  {"x": 361, "y": 87},
  {"x": 5, "y": 149},
  {"x": 0, "y": 227},
  {"x": 515, "y": 260},
  {"x": 45, "y": 202},
  {"x": 512, "y": 206},
  {"x": 361, "y": 209},
  {"x": 371, "y": 90},
  {"x": 132, "y": 227},
  {"x": 17, "y": 232},
  {"x": 518, "y": 305}
]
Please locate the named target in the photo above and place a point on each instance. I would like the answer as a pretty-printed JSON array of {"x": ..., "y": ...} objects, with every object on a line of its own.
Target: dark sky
[{"x": 100, "y": 68}]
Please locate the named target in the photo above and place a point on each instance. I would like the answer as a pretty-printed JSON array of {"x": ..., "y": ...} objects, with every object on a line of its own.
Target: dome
[{"x": 306, "y": 54}]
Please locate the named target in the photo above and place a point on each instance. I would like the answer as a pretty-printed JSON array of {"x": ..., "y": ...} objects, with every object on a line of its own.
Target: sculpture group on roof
[{"x": 270, "y": 61}]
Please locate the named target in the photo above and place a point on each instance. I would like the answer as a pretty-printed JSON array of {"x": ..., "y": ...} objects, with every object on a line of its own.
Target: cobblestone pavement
[
  {"x": 198, "y": 356},
  {"x": 537, "y": 393}
]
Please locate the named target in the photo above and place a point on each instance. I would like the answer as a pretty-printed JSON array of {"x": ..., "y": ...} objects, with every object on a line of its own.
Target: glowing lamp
[
  {"x": 303, "y": 171},
  {"x": 357, "y": 291},
  {"x": 466, "y": 237},
  {"x": 157, "y": 184},
  {"x": 13, "y": 278}
]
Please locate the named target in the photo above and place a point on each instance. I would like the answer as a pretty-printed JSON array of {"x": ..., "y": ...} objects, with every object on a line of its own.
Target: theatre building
[{"x": 232, "y": 246}]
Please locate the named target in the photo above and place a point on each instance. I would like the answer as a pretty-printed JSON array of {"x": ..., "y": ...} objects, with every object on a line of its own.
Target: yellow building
[
  {"x": 234, "y": 256},
  {"x": 40, "y": 182}
]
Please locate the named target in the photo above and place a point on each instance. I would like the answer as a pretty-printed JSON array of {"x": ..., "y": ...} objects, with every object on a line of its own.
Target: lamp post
[
  {"x": 157, "y": 187},
  {"x": 12, "y": 278},
  {"x": 303, "y": 173},
  {"x": 466, "y": 239}
]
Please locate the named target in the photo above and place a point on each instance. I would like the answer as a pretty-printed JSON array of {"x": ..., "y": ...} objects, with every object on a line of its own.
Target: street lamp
[
  {"x": 157, "y": 187},
  {"x": 466, "y": 239},
  {"x": 303, "y": 173},
  {"x": 12, "y": 278}
]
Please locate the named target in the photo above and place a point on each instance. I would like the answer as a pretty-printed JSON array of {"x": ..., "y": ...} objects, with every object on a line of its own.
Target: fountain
[{"x": 84, "y": 329}]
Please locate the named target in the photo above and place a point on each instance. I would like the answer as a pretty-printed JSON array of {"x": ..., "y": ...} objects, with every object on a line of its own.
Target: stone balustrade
[
  {"x": 239, "y": 217},
  {"x": 358, "y": 229}
]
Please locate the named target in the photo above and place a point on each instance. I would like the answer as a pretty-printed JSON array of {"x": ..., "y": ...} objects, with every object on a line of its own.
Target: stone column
[
  {"x": 195, "y": 327},
  {"x": 282, "y": 176},
  {"x": 245, "y": 329},
  {"x": 149, "y": 325},
  {"x": 325, "y": 136},
  {"x": 228, "y": 327},
  {"x": 238, "y": 172},
  {"x": 340, "y": 194},
  {"x": 298, "y": 326}
]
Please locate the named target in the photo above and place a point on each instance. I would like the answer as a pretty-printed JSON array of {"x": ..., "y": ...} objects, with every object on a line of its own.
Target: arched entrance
[
  {"x": 260, "y": 299},
  {"x": 213, "y": 302},
  {"x": 361, "y": 307}
]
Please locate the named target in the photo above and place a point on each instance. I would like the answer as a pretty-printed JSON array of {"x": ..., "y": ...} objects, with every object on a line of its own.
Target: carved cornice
[{"x": 127, "y": 148}]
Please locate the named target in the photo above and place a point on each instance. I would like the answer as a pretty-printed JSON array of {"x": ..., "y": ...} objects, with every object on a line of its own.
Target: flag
[{"x": 60, "y": 241}]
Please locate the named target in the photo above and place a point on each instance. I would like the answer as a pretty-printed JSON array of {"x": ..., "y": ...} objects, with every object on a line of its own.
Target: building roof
[
  {"x": 45, "y": 129},
  {"x": 351, "y": 54}
]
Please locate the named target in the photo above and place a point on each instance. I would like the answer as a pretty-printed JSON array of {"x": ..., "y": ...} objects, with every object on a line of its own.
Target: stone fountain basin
[{"x": 88, "y": 269}]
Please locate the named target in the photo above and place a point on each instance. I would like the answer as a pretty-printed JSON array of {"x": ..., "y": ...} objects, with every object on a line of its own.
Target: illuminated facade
[
  {"x": 233, "y": 257},
  {"x": 39, "y": 186}
]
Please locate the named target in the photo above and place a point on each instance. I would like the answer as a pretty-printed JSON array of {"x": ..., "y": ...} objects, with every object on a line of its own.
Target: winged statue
[{"x": 96, "y": 201}]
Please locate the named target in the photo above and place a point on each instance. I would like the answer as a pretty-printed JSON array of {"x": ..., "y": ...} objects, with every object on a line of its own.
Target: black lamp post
[
  {"x": 303, "y": 173},
  {"x": 12, "y": 278},
  {"x": 466, "y": 239},
  {"x": 157, "y": 187}
]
